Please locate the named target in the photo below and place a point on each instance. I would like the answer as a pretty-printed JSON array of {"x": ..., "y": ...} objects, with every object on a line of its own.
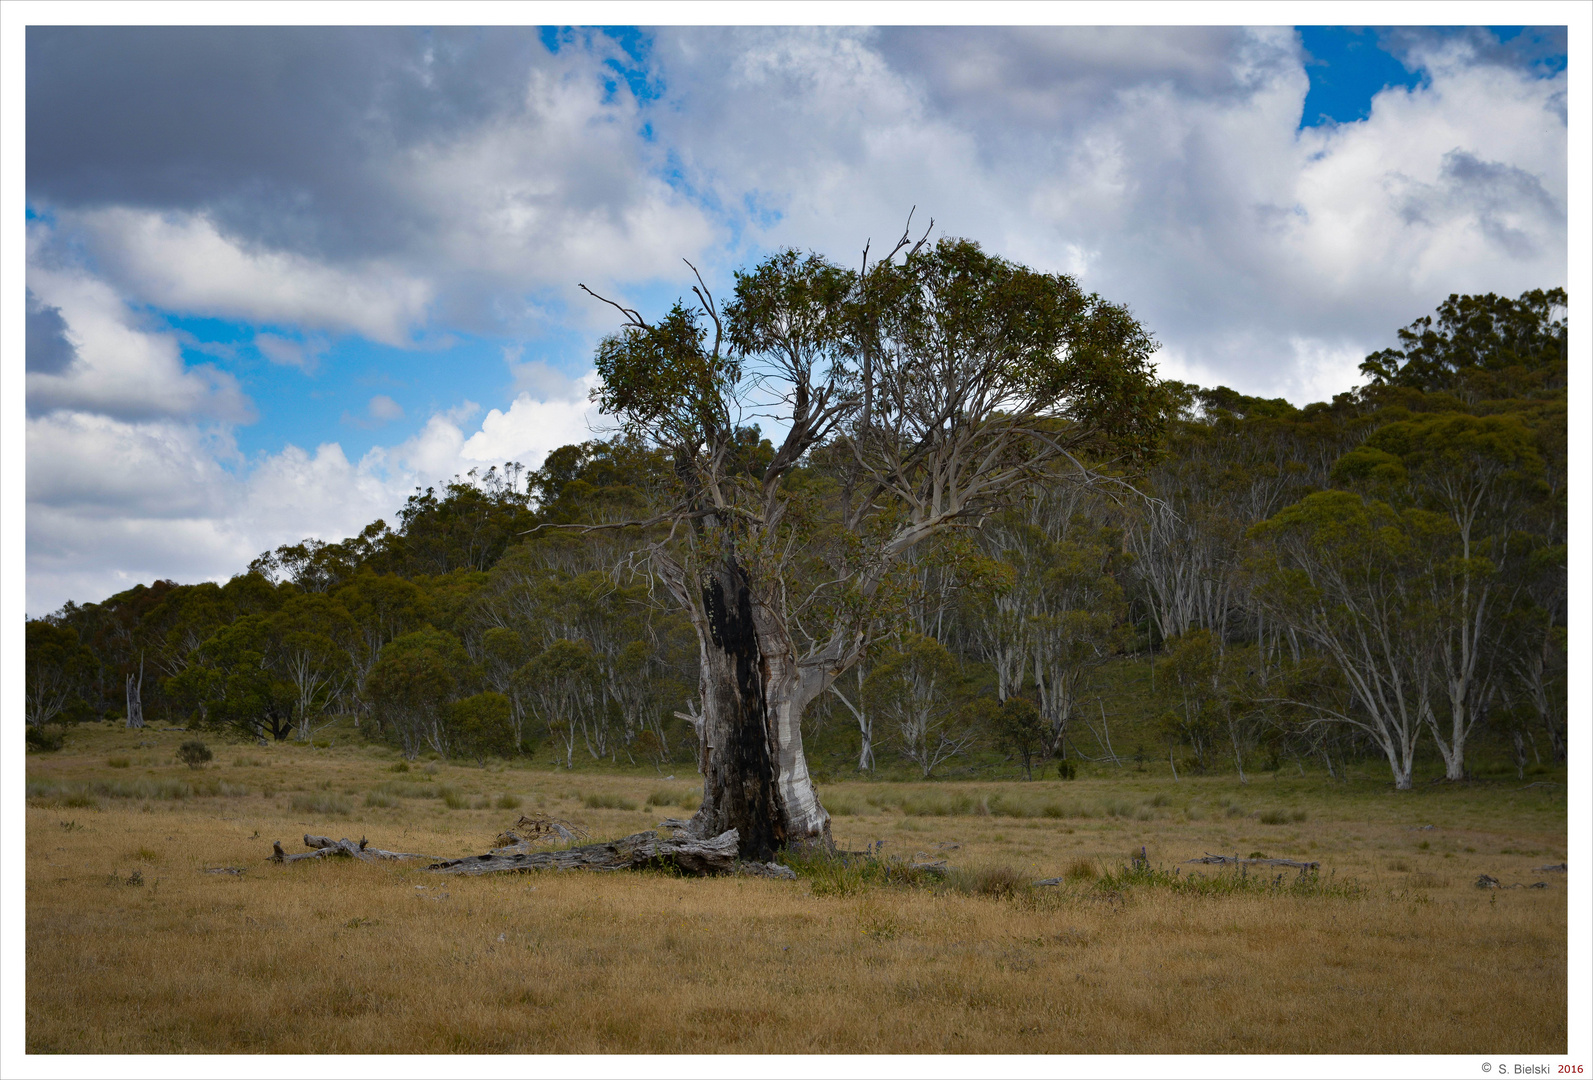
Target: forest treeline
[{"x": 1379, "y": 575}]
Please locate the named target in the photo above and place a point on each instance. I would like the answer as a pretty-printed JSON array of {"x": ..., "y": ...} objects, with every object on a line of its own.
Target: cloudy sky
[{"x": 277, "y": 277}]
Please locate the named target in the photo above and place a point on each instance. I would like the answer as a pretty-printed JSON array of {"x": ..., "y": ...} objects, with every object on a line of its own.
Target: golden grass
[{"x": 342, "y": 957}]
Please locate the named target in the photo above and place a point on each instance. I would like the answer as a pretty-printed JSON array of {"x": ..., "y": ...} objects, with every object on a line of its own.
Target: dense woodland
[{"x": 1377, "y": 578}]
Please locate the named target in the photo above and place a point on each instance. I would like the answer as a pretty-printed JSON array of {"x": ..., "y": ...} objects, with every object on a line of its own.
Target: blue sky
[{"x": 279, "y": 276}]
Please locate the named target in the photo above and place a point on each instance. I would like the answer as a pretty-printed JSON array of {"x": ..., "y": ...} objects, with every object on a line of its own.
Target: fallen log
[
  {"x": 1234, "y": 860},
  {"x": 680, "y": 851},
  {"x": 637, "y": 851},
  {"x": 1557, "y": 868},
  {"x": 321, "y": 846}
]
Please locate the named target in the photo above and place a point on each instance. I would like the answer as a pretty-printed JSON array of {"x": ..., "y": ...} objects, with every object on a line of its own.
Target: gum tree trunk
[{"x": 755, "y": 777}]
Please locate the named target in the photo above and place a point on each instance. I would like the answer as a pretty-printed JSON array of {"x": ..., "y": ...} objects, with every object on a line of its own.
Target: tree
[
  {"x": 314, "y": 637},
  {"x": 917, "y": 689},
  {"x": 1481, "y": 347},
  {"x": 57, "y": 671},
  {"x": 564, "y": 685},
  {"x": 480, "y": 725},
  {"x": 1017, "y": 723},
  {"x": 1354, "y": 575},
  {"x": 916, "y": 395},
  {"x": 1482, "y": 474},
  {"x": 413, "y": 683}
]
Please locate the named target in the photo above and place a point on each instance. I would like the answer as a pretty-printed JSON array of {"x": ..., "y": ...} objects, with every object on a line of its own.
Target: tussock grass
[
  {"x": 508, "y": 802},
  {"x": 606, "y": 800},
  {"x": 858, "y": 956},
  {"x": 87, "y": 792},
  {"x": 685, "y": 798},
  {"x": 118, "y": 762},
  {"x": 322, "y": 803}
]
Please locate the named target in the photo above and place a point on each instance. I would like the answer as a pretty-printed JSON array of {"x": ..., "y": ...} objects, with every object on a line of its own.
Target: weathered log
[
  {"x": 321, "y": 846},
  {"x": 637, "y": 851},
  {"x": 1234, "y": 860},
  {"x": 1556, "y": 868},
  {"x": 681, "y": 851}
]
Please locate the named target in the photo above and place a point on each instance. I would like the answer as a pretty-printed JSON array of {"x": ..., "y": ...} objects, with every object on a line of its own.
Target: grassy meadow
[{"x": 136, "y": 945}]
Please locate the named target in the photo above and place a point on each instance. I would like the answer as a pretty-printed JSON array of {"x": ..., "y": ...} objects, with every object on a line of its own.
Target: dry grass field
[{"x": 132, "y": 946}]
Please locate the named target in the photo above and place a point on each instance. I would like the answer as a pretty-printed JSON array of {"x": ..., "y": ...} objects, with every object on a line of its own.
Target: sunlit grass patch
[
  {"x": 85, "y": 792},
  {"x": 321, "y": 803}
]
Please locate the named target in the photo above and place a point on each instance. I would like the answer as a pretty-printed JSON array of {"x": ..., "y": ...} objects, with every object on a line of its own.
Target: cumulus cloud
[
  {"x": 410, "y": 187},
  {"x": 1166, "y": 167},
  {"x": 304, "y": 355},
  {"x": 183, "y": 262},
  {"x": 117, "y": 367},
  {"x": 112, "y": 502}
]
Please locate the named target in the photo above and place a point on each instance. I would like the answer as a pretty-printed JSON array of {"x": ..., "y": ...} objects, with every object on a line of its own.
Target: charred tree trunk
[{"x": 755, "y": 778}]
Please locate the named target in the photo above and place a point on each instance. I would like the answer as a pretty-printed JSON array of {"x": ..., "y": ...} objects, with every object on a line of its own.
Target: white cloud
[
  {"x": 385, "y": 408},
  {"x": 112, "y": 503},
  {"x": 531, "y": 427},
  {"x": 122, "y": 369},
  {"x": 182, "y": 262},
  {"x": 304, "y": 355},
  {"x": 1164, "y": 167}
]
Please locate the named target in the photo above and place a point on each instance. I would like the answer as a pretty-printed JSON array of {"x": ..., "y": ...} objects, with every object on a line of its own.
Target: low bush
[
  {"x": 194, "y": 753},
  {"x": 509, "y": 802},
  {"x": 45, "y": 740},
  {"x": 118, "y": 762}
]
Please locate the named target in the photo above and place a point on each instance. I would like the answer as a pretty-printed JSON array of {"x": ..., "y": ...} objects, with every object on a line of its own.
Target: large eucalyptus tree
[{"x": 911, "y": 396}]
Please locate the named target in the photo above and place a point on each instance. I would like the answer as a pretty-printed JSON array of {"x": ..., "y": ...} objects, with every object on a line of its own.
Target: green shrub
[
  {"x": 402, "y": 766},
  {"x": 194, "y": 753},
  {"x": 45, "y": 740}
]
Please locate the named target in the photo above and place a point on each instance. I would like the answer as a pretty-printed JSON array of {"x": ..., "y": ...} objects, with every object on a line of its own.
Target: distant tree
[
  {"x": 1481, "y": 347},
  {"x": 1355, "y": 576},
  {"x": 1484, "y": 475},
  {"x": 917, "y": 689},
  {"x": 480, "y": 726},
  {"x": 1018, "y": 725},
  {"x": 58, "y": 668},
  {"x": 412, "y": 685}
]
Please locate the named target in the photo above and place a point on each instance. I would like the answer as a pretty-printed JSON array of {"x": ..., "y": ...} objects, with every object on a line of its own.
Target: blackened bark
[{"x": 739, "y": 791}]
